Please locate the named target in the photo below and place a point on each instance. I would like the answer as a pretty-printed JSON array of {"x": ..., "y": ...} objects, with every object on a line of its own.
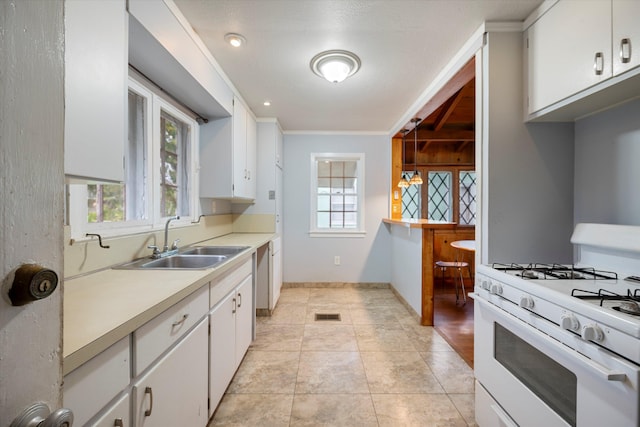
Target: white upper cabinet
[
  {"x": 626, "y": 35},
  {"x": 95, "y": 89},
  {"x": 569, "y": 49},
  {"x": 228, "y": 156},
  {"x": 164, "y": 47},
  {"x": 581, "y": 58}
]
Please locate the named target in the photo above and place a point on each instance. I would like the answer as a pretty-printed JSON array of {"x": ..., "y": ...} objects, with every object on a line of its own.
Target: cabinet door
[
  {"x": 95, "y": 89},
  {"x": 119, "y": 415},
  {"x": 563, "y": 45},
  {"x": 174, "y": 391},
  {"x": 276, "y": 277},
  {"x": 279, "y": 147},
  {"x": 239, "y": 149},
  {"x": 251, "y": 163},
  {"x": 626, "y": 35},
  {"x": 244, "y": 318},
  {"x": 222, "y": 359},
  {"x": 279, "y": 201}
]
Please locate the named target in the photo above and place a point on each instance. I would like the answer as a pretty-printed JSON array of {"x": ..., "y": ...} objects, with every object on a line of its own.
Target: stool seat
[{"x": 459, "y": 265}]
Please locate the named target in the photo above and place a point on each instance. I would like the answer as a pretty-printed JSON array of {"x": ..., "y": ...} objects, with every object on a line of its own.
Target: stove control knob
[
  {"x": 496, "y": 289},
  {"x": 570, "y": 322},
  {"x": 526, "y": 302},
  {"x": 486, "y": 284},
  {"x": 592, "y": 333}
]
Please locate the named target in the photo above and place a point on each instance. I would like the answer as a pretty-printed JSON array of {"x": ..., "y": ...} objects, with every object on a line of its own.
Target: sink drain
[{"x": 329, "y": 316}]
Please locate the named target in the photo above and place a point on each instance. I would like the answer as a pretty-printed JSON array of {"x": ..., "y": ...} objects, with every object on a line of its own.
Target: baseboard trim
[{"x": 370, "y": 285}]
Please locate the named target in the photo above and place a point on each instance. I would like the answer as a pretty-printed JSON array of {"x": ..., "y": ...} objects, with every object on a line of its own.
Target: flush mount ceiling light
[
  {"x": 335, "y": 65},
  {"x": 235, "y": 40}
]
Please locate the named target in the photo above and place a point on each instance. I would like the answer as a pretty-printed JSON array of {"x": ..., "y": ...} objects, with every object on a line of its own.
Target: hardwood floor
[{"x": 454, "y": 322}]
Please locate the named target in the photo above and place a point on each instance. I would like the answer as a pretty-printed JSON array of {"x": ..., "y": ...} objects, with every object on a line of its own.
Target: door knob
[
  {"x": 38, "y": 415},
  {"x": 32, "y": 282}
]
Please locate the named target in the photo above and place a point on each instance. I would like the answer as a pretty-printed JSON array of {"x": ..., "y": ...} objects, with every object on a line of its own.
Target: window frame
[
  {"x": 359, "y": 231},
  {"x": 455, "y": 190},
  {"x": 77, "y": 193}
]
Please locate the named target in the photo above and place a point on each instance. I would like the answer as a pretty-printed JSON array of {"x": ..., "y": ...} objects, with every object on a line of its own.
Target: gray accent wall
[
  {"x": 607, "y": 166},
  {"x": 311, "y": 259}
]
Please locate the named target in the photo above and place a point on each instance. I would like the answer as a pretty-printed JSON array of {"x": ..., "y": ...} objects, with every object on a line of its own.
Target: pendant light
[
  {"x": 404, "y": 181},
  {"x": 416, "y": 179}
]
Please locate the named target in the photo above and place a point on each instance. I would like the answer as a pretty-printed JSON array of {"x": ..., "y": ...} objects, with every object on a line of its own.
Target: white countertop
[{"x": 101, "y": 308}]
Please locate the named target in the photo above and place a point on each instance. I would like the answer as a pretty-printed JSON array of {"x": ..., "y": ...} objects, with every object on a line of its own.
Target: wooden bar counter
[{"x": 429, "y": 229}]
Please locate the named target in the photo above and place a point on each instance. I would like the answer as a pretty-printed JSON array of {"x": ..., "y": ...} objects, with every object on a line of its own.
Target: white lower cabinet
[
  {"x": 173, "y": 392},
  {"x": 90, "y": 387},
  {"x": 117, "y": 415},
  {"x": 231, "y": 323}
]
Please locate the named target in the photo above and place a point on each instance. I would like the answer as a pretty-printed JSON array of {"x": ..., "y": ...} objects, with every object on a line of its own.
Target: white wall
[
  {"x": 527, "y": 169},
  {"x": 607, "y": 166},
  {"x": 406, "y": 264},
  {"x": 311, "y": 259},
  {"x": 32, "y": 195}
]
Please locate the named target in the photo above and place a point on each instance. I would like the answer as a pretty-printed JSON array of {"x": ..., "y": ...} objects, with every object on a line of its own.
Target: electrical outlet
[{"x": 336, "y": 260}]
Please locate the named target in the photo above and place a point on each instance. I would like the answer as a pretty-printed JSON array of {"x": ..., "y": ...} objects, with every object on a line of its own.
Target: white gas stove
[{"x": 577, "y": 328}]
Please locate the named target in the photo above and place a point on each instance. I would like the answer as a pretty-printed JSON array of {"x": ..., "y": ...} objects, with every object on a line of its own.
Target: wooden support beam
[{"x": 447, "y": 108}]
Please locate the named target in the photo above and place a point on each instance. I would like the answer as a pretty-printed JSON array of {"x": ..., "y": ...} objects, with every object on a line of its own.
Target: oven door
[{"x": 538, "y": 381}]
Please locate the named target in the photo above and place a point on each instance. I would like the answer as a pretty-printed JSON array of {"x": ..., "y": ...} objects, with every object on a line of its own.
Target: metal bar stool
[{"x": 458, "y": 265}]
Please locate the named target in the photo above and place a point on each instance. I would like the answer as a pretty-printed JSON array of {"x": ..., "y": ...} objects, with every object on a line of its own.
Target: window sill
[{"x": 342, "y": 234}]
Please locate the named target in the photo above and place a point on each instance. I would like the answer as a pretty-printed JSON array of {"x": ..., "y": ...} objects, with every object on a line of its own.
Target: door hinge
[
  {"x": 209, "y": 329},
  {"x": 208, "y": 404}
]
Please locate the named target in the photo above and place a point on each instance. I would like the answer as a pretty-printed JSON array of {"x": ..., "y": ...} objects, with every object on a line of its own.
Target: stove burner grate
[
  {"x": 555, "y": 271},
  {"x": 629, "y": 304}
]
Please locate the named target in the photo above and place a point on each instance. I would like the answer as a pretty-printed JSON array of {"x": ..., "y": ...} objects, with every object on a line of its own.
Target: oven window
[{"x": 547, "y": 379}]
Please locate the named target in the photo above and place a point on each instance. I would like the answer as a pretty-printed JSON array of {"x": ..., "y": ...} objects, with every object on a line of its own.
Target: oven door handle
[{"x": 543, "y": 339}]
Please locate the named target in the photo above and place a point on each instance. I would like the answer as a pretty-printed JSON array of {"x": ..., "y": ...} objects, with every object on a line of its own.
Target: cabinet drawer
[
  {"x": 221, "y": 286},
  {"x": 120, "y": 410},
  {"x": 91, "y": 386},
  {"x": 156, "y": 336}
]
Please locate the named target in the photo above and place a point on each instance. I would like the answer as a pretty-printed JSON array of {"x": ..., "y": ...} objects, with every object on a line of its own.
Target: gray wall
[
  {"x": 311, "y": 259},
  {"x": 527, "y": 169},
  {"x": 607, "y": 166}
]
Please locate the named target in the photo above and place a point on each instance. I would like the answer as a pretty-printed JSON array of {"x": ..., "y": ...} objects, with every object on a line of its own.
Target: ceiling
[{"x": 403, "y": 45}]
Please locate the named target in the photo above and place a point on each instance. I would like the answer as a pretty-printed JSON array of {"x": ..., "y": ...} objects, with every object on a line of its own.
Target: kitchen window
[
  {"x": 448, "y": 194},
  {"x": 337, "y": 195},
  {"x": 160, "y": 167}
]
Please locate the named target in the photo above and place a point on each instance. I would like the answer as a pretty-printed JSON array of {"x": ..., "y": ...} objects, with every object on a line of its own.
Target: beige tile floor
[{"x": 375, "y": 367}]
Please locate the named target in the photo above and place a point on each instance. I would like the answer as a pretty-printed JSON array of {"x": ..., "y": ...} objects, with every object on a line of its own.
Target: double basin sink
[{"x": 199, "y": 257}]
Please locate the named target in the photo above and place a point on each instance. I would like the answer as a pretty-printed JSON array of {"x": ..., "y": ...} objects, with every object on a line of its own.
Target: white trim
[
  {"x": 313, "y": 191},
  {"x": 336, "y": 132}
]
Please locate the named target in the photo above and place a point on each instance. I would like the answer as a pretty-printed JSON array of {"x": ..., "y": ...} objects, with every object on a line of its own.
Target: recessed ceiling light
[
  {"x": 335, "y": 65},
  {"x": 235, "y": 40},
  {"x": 267, "y": 103}
]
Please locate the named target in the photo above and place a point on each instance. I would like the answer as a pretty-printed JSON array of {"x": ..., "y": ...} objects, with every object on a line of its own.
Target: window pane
[
  {"x": 439, "y": 195},
  {"x": 174, "y": 166},
  {"x": 337, "y": 199},
  {"x": 324, "y": 185},
  {"x": 350, "y": 220},
  {"x": 324, "y": 169},
  {"x": 350, "y": 203},
  {"x": 105, "y": 203},
  {"x": 467, "y": 198},
  {"x": 136, "y": 159},
  {"x": 323, "y": 220},
  {"x": 337, "y": 185},
  {"x": 323, "y": 203},
  {"x": 350, "y": 185},
  {"x": 411, "y": 202}
]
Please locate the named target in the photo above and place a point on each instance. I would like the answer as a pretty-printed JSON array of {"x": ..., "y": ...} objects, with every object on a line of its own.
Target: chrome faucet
[{"x": 165, "y": 249}]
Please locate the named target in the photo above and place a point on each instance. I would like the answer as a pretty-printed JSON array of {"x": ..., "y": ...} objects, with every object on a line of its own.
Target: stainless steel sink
[
  {"x": 215, "y": 250},
  {"x": 175, "y": 262},
  {"x": 196, "y": 258}
]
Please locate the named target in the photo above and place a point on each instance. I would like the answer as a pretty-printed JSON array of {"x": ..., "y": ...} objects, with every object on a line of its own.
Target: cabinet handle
[
  {"x": 149, "y": 391},
  {"x": 118, "y": 422},
  {"x": 625, "y": 50},
  {"x": 234, "y": 306},
  {"x": 239, "y": 300},
  {"x": 598, "y": 63},
  {"x": 178, "y": 322}
]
